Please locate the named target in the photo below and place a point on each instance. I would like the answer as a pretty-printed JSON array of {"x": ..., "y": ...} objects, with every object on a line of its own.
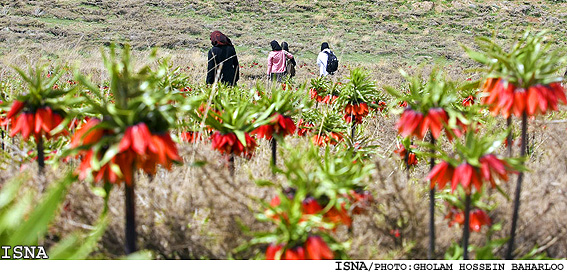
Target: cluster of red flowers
[
  {"x": 190, "y": 136},
  {"x": 202, "y": 109},
  {"x": 304, "y": 127},
  {"x": 138, "y": 148},
  {"x": 358, "y": 111},
  {"x": 39, "y": 123},
  {"x": 491, "y": 170},
  {"x": 360, "y": 200},
  {"x": 314, "y": 248},
  {"x": 251, "y": 65},
  {"x": 415, "y": 123},
  {"x": 186, "y": 89},
  {"x": 478, "y": 218},
  {"x": 331, "y": 138},
  {"x": 468, "y": 101},
  {"x": 3, "y": 120},
  {"x": 229, "y": 144},
  {"x": 326, "y": 99},
  {"x": 409, "y": 158},
  {"x": 506, "y": 98},
  {"x": 381, "y": 106},
  {"x": 333, "y": 215},
  {"x": 280, "y": 125}
]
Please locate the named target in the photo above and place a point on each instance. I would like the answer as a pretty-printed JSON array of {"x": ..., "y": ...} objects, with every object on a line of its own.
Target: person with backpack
[
  {"x": 222, "y": 53},
  {"x": 290, "y": 63},
  {"x": 276, "y": 61},
  {"x": 327, "y": 61}
]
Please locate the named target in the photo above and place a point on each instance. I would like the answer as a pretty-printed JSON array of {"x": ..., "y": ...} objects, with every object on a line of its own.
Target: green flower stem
[
  {"x": 274, "y": 151},
  {"x": 466, "y": 227},
  {"x": 509, "y": 253},
  {"x": 231, "y": 167},
  {"x": 130, "y": 206},
  {"x": 40, "y": 155},
  {"x": 431, "y": 252},
  {"x": 352, "y": 128},
  {"x": 509, "y": 137}
]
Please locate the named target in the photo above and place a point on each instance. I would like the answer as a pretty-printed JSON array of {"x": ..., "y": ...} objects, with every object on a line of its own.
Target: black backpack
[{"x": 332, "y": 63}]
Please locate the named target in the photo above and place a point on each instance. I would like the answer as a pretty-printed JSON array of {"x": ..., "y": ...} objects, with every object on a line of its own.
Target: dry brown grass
[{"x": 196, "y": 213}]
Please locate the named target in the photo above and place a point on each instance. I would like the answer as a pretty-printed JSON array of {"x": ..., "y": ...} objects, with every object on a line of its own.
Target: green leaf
[
  {"x": 10, "y": 190},
  {"x": 241, "y": 137},
  {"x": 264, "y": 183},
  {"x": 74, "y": 248},
  {"x": 44, "y": 212},
  {"x": 199, "y": 163}
]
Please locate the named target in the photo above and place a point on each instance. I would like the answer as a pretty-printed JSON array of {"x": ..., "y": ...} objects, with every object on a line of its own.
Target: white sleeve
[{"x": 322, "y": 63}]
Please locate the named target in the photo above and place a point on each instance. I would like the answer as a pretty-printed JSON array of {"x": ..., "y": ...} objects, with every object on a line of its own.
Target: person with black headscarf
[
  {"x": 322, "y": 59},
  {"x": 222, "y": 53},
  {"x": 290, "y": 63},
  {"x": 276, "y": 61}
]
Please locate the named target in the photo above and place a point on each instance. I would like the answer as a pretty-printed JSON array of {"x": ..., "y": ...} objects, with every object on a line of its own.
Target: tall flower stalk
[
  {"x": 42, "y": 110},
  {"x": 356, "y": 96},
  {"x": 524, "y": 82},
  {"x": 279, "y": 106},
  {"x": 233, "y": 118},
  {"x": 472, "y": 165},
  {"x": 428, "y": 109},
  {"x": 320, "y": 194},
  {"x": 129, "y": 130}
]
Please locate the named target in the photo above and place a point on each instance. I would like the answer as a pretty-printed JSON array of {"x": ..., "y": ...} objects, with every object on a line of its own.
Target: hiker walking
[
  {"x": 290, "y": 63},
  {"x": 327, "y": 61},
  {"x": 222, "y": 53},
  {"x": 276, "y": 61}
]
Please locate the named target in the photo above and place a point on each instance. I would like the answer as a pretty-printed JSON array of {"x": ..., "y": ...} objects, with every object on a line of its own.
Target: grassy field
[
  {"x": 197, "y": 213},
  {"x": 405, "y": 32}
]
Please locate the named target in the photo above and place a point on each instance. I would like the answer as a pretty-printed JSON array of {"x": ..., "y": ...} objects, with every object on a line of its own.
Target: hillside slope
[{"x": 364, "y": 31}]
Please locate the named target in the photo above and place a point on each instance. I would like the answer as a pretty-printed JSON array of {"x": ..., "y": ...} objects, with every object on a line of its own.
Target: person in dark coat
[{"x": 223, "y": 53}]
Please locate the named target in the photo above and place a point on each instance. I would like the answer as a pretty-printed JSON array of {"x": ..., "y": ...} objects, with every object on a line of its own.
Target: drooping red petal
[
  {"x": 475, "y": 179},
  {"x": 126, "y": 140},
  {"x": 410, "y": 123},
  {"x": 550, "y": 96},
  {"x": 317, "y": 249},
  {"x": 288, "y": 124},
  {"x": 520, "y": 97},
  {"x": 542, "y": 98},
  {"x": 440, "y": 175},
  {"x": 462, "y": 175},
  {"x": 505, "y": 101},
  {"x": 24, "y": 124},
  {"x": 264, "y": 131},
  {"x": 296, "y": 253},
  {"x": 170, "y": 147},
  {"x": 86, "y": 135},
  {"x": 532, "y": 101},
  {"x": 559, "y": 91},
  {"x": 141, "y": 138},
  {"x": 17, "y": 106},
  {"x": 437, "y": 119},
  {"x": 478, "y": 218},
  {"x": 125, "y": 161},
  {"x": 310, "y": 206},
  {"x": 412, "y": 159},
  {"x": 272, "y": 251}
]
